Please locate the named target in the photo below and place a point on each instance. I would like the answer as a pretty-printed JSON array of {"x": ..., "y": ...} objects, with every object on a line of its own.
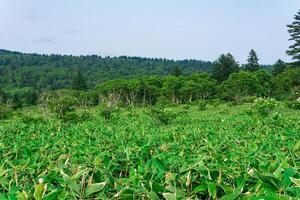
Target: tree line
[
  {"x": 28, "y": 79},
  {"x": 52, "y": 72},
  {"x": 150, "y": 90}
]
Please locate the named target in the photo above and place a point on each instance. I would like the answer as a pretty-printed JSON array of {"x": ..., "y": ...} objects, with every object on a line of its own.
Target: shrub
[
  {"x": 163, "y": 101},
  {"x": 107, "y": 112},
  {"x": 293, "y": 104},
  {"x": 162, "y": 115},
  {"x": 264, "y": 106},
  {"x": 4, "y": 111},
  {"x": 60, "y": 102},
  {"x": 202, "y": 105}
]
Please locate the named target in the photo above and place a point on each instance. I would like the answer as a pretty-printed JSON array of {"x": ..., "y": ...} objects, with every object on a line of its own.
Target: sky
[{"x": 174, "y": 29}]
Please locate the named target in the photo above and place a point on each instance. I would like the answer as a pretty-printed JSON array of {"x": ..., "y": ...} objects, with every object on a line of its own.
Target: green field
[{"x": 183, "y": 152}]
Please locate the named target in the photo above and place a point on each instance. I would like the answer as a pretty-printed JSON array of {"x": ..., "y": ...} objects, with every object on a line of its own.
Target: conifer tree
[
  {"x": 79, "y": 82},
  {"x": 294, "y": 30},
  {"x": 279, "y": 67},
  {"x": 252, "y": 64},
  {"x": 176, "y": 72},
  {"x": 224, "y": 66}
]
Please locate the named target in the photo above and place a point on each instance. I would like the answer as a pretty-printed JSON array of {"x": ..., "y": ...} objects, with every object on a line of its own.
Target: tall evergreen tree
[
  {"x": 252, "y": 64},
  {"x": 224, "y": 66},
  {"x": 279, "y": 67},
  {"x": 79, "y": 82},
  {"x": 176, "y": 71},
  {"x": 294, "y": 30}
]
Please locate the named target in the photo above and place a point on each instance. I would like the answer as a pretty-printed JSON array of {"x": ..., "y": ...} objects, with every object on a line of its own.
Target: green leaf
[
  {"x": 38, "y": 191},
  {"x": 63, "y": 195},
  {"x": 296, "y": 181},
  {"x": 21, "y": 196},
  {"x": 269, "y": 180},
  {"x": 169, "y": 196},
  {"x": 80, "y": 173},
  {"x": 287, "y": 175},
  {"x": 52, "y": 195},
  {"x": 70, "y": 182},
  {"x": 212, "y": 189},
  {"x": 229, "y": 197},
  {"x": 153, "y": 196},
  {"x": 94, "y": 188},
  {"x": 201, "y": 189}
]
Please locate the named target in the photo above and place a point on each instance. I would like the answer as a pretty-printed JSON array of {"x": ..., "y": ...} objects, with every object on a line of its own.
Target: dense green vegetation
[
  {"x": 49, "y": 72},
  {"x": 89, "y": 127},
  {"x": 210, "y": 151},
  {"x": 294, "y": 30},
  {"x": 168, "y": 89}
]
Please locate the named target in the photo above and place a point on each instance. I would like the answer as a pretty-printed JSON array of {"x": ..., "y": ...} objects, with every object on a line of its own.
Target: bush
[
  {"x": 293, "y": 104},
  {"x": 162, "y": 115},
  {"x": 20, "y": 97},
  {"x": 264, "y": 107},
  {"x": 107, "y": 112},
  {"x": 60, "y": 102},
  {"x": 4, "y": 111},
  {"x": 202, "y": 105},
  {"x": 163, "y": 101}
]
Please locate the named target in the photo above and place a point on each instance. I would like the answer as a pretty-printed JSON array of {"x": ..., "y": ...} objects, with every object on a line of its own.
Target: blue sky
[{"x": 176, "y": 29}]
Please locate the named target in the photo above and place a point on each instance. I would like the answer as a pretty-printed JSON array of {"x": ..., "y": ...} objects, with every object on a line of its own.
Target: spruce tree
[
  {"x": 224, "y": 66},
  {"x": 279, "y": 67},
  {"x": 176, "y": 72},
  {"x": 79, "y": 82},
  {"x": 252, "y": 64},
  {"x": 294, "y": 30}
]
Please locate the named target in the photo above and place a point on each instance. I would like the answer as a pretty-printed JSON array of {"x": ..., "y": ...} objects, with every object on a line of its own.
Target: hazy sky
[{"x": 177, "y": 29}]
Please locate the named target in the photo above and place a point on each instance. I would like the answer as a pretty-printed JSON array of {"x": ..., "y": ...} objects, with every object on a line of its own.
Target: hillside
[{"x": 44, "y": 72}]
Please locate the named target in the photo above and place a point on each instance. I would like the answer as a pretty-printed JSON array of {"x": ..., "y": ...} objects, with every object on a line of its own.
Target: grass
[{"x": 222, "y": 152}]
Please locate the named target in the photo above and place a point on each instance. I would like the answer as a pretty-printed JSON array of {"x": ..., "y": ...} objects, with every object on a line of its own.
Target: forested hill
[{"x": 47, "y": 72}]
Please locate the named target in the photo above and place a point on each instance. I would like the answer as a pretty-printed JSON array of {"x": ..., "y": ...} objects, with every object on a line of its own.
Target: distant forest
[{"x": 52, "y": 72}]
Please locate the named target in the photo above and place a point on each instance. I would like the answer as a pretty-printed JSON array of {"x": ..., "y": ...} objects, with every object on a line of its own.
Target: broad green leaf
[
  {"x": 201, "y": 189},
  {"x": 169, "y": 196},
  {"x": 271, "y": 181},
  {"x": 287, "y": 175},
  {"x": 63, "y": 195},
  {"x": 296, "y": 181},
  {"x": 53, "y": 195},
  {"x": 212, "y": 189},
  {"x": 21, "y": 196},
  {"x": 94, "y": 188},
  {"x": 79, "y": 174},
  {"x": 70, "y": 182},
  {"x": 38, "y": 191}
]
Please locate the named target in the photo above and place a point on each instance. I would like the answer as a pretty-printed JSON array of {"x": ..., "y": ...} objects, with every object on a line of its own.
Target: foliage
[
  {"x": 265, "y": 81},
  {"x": 176, "y": 71},
  {"x": 162, "y": 115},
  {"x": 202, "y": 105},
  {"x": 224, "y": 66},
  {"x": 210, "y": 154},
  {"x": 52, "y": 72},
  {"x": 163, "y": 101},
  {"x": 107, "y": 112},
  {"x": 264, "y": 106},
  {"x": 252, "y": 64},
  {"x": 294, "y": 104},
  {"x": 19, "y": 97},
  {"x": 79, "y": 82},
  {"x": 239, "y": 85},
  {"x": 60, "y": 102},
  {"x": 4, "y": 111},
  {"x": 279, "y": 67},
  {"x": 294, "y": 30},
  {"x": 287, "y": 84}
]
